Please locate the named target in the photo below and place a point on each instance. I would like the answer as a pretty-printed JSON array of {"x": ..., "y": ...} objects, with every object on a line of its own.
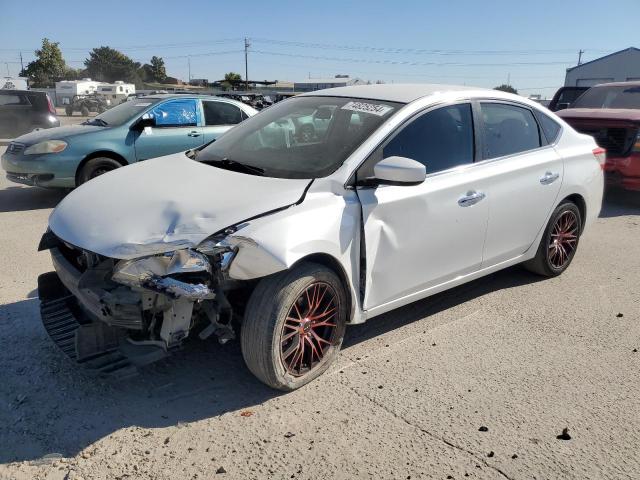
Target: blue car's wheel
[{"x": 96, "y": 167}]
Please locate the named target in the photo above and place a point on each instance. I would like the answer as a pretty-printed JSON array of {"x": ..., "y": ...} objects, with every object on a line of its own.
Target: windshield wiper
[
  {"x": 236, "y": 166},
  {"x": 96, "y": 121}
]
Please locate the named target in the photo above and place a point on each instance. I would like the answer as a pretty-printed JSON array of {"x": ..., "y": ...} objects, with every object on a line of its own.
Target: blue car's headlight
[{"x": 48, "y": 146}]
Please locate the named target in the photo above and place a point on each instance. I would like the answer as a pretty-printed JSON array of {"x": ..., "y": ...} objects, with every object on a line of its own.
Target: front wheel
[
  {"x": 96, "y": 167},
  {"x": 559, "y": 242},
  {"x": 294, "y": 325}
]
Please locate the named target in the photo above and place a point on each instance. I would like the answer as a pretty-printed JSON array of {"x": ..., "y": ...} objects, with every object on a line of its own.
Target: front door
[
  {"x": 177, "y": 129},
  {"x": 417, "y": 237}
]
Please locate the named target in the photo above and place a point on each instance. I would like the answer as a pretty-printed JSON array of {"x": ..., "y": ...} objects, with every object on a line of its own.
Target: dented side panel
[{"x": 325, "y": 223}]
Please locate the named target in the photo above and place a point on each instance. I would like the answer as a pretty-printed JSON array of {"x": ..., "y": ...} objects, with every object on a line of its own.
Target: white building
[
  {"x": 314, "y": 84},
  {"x": 116, "y": 92},
  {"x": 620, "y": 66},
  {"x": 67, "y": 89}
]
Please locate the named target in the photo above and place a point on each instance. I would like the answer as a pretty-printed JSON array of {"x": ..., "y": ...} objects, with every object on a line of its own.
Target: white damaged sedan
[{"x": 323, "y": 210}]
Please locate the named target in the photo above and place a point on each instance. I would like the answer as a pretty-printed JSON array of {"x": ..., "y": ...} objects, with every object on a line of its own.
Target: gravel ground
[{"x": 477, "y": 382}]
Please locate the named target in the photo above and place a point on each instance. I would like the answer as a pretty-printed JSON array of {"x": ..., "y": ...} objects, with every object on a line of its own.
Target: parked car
[
  {"x": 411, "y": 191},
  {"x": 610, "y": 113},
  {"x": 132, "y": 131},
  {"x": 22, "y": 111},
  {"x": 565, "y": 97}
]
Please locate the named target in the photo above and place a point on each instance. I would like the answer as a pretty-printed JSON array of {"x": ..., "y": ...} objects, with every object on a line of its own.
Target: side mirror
[
  {"x": 562, "y": 106},
  {"x": 146, "y": 120},
  {"x": 399, "y": 171}
]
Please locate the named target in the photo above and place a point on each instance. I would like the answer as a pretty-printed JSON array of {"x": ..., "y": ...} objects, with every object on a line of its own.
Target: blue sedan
[{"x": 137, "y": 130}]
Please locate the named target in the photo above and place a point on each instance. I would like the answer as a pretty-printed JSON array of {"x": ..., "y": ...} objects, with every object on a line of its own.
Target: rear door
[
  {"x": 177, "y": 129},
  {"x": 526, "y": 174},
  {"x": 218, "y": 118}
]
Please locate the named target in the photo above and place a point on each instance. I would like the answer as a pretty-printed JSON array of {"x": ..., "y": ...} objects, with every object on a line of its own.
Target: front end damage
[{"x": 114, "y": 315}]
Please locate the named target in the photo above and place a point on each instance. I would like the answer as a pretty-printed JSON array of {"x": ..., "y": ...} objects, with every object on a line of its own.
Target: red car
[{"x": 610, "y": 113}]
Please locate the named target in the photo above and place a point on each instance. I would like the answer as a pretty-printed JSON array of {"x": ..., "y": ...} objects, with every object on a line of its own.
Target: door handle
[
  {"x": 471, "y": 198},
  {"x": 549, "y": 178},
  {"x": 193, "y": 133}
]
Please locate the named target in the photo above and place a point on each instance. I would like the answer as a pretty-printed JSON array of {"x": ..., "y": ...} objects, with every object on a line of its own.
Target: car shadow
[
  {"x": 49, "y": 405},
  {"x": 619, "y": 203},
  {"x": 16, "y": 199}
]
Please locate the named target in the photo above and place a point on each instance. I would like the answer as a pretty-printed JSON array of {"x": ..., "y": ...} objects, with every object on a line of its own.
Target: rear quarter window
[{"x": 550, "y": 127}]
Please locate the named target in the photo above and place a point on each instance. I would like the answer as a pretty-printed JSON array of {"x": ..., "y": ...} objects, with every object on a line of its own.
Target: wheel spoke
[{"x": 309, "y": 328}]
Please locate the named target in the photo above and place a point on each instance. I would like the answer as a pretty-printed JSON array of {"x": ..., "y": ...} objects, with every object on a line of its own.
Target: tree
[
  {"x": 108, "y": 65},
  {"x": 48, "y": 66},
  {"x": 506, "y": 88},
  {"x": 231, "y": 80},
  {"x": 158, "y": 70}
]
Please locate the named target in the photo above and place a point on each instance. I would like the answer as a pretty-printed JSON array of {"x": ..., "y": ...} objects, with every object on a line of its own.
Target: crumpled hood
[
  {"x": 164, "y": 203},
  {"x": 56, "y": 133}
]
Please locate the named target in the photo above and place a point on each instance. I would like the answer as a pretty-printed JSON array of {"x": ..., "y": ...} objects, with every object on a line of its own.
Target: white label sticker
[
  {"x": 142, "y": 104},
  {"x": 372, "y": 108}
]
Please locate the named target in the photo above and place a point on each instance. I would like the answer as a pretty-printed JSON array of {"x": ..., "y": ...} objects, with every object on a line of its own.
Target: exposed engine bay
[{"x": 97, "y": 308}]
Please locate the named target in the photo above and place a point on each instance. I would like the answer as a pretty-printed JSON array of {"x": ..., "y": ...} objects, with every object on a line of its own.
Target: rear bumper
[{"x": 623, "y": 172}]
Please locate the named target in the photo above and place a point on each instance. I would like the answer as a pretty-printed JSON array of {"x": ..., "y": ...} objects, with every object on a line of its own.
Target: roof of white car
[{"x": 394, "y": 92}]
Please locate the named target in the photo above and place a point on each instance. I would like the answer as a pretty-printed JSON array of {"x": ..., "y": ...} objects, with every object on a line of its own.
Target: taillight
[
  {"x": 52, "y": 109},
  {"x": 601, "y": 155}
]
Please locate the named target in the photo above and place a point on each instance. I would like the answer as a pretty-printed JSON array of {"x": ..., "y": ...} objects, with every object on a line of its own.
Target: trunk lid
[{"x": 613, "y": 129}]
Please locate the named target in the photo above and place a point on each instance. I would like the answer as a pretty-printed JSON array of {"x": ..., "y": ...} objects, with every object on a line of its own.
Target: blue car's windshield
[{"x": 123, "y": 113}]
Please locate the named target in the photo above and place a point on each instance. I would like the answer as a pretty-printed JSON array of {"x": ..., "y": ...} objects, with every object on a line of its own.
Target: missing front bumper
[{"x": 102, "y": 349}]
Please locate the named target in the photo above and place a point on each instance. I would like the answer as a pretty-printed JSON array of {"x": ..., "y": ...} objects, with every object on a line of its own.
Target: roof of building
[
  {"x": 630, "y": 49},
  {"x": 394, "y": 92}
]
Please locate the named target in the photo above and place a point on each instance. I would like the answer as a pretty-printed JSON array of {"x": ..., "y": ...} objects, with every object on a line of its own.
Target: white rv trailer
[
  {"x": 116, "y": 92},
  {"x": 67, "y": 89}
]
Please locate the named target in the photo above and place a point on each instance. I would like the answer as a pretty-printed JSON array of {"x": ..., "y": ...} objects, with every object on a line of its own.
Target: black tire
[
  {"x": 556, "y": 251},
  {"x": 69, "y": 111},
  {"x": 267, "y": 317},
  {"x": 84, "y": 111},
  {"x": 96, "y": 167}
]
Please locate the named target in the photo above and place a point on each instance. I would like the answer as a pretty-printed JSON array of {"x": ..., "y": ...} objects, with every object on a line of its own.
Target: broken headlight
[{"x": 182, "y": 273}]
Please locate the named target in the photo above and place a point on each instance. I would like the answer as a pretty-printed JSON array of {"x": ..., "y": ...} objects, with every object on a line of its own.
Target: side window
[
  {"x": 508, "y": 129},
  {"x": 220, "y": 113},
  {"x": 14, "y": 99},
  {"x": 440, "y": 139},
  {"x": 176, "y": 113},
  {"x": 549, "y": 126}
]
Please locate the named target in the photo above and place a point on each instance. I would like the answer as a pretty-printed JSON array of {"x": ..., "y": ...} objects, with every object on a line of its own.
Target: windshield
[
  {"x": 124, "y": 112},
  {"x": 305, "y": 137},
  {"x": 610, "y": 97}
]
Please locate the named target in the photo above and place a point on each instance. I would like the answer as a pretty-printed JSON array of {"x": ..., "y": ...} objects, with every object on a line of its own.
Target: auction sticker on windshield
[{"x": 374, "y": 109}]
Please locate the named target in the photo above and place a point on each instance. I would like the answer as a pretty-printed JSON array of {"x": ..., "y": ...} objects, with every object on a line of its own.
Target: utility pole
[
  {"x": 189, "y": 65},
  {"x": 580, "y": 52},
  {"x": 21, "y": 65},
  {"x": 509, "y": 78},
  {"x": 246, "y": 63},
  {"x": 7, "y": 64}
]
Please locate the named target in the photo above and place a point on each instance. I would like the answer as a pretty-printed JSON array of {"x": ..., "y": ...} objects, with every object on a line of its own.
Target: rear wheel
[
  {"x": 84, "y": 111},
  {"x": 96, "y": 167},
  {"x": 559, "y": 242},
  {"x": 294, "y": 325}
]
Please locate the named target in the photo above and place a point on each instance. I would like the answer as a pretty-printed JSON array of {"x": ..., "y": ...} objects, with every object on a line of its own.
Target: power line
[
  {"x": 410, "y": 63},
  {"x": 417, "y": 51}
]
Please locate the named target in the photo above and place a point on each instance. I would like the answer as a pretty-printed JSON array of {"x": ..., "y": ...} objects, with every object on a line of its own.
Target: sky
[{"x": 483, "y": 43}]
